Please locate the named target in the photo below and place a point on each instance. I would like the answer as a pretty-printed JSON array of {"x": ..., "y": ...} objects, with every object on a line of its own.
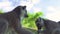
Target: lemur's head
[{"x": 21, "y": 10}]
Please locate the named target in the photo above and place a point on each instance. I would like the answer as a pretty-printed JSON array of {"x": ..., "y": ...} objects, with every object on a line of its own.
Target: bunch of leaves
[{"x": 30, "y": 21}]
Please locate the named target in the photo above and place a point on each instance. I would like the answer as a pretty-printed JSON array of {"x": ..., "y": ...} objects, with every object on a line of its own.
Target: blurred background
[{"x": 49, "y": 9}]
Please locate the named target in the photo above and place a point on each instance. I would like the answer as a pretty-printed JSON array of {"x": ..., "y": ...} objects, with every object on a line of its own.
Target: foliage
[
  {"x": 1, "y": 11},
  {"x": 30, "y": 21}
]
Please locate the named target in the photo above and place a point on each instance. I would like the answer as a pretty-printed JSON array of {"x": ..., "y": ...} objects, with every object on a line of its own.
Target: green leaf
[{"x": 30, "y": 21}]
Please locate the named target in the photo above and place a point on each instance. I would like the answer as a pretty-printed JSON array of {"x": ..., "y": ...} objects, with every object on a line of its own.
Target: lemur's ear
[{"x": 24, "y": 7}]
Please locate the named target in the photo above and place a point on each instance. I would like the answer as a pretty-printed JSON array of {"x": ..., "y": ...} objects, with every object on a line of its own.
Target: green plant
[
  {"x": 1, "y": 11},
  {"x": 30, "y": 21}
]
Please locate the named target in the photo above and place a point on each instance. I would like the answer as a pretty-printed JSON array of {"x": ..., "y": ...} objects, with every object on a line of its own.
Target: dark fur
[
  {"x": 51, "y": 27},
  {"x": 39, "y": 24},
  {"x": 3, "y": 26},
  {"x": 14, "y": 19}
]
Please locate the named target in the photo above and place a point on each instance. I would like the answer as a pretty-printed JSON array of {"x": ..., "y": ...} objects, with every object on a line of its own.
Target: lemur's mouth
[{"x": 25, "y": 15}]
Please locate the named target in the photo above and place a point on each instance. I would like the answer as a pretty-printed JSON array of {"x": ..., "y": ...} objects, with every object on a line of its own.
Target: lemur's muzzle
[{"x": 25, "y": 15}]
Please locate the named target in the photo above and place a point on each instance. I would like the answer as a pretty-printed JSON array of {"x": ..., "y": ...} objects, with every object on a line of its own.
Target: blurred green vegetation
[
  {"x": 30, "y": 21},
  {"x": 1, "y": 11}
]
